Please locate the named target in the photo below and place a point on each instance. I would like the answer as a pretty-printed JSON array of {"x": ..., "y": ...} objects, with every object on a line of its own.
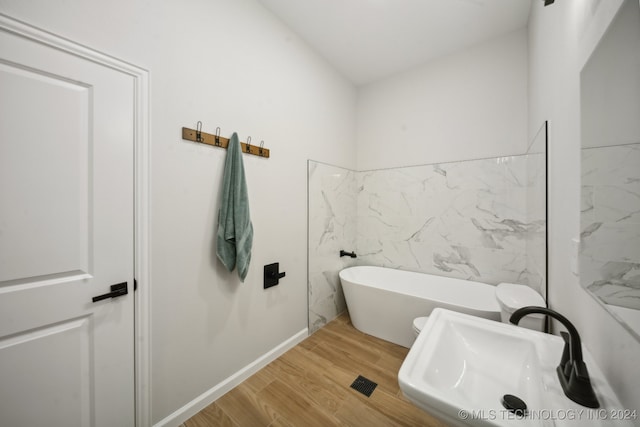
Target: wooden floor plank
[
  {"x": 354, "y": 413},
  {"x": 354, "y": 346},
  {"x": 346, "y": 329},
  {"x": 212, "y": 415},
  {"x": 245, "y": 409},
  {"x": 309, "y": 385},
  {"x": 295, "y": 407},
  {"x": 309, "y": 343},
  {"x": 281, "y": 422},
  {"x": 385, "y": 379},
  {"x": 336, "y": 380},
  {"x": 401, "y": 412},
  {"x": 262, "y": 378}
]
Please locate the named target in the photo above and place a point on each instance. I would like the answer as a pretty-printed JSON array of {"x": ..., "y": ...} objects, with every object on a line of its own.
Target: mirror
[{"x": 610, "y": 169}]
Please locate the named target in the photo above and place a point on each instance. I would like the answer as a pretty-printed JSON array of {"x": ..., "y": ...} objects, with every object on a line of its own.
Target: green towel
[{"x": 235, "y": 231}]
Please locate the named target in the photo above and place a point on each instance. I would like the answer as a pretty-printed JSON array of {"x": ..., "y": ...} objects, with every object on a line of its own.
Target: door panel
[
  {"x": 43, "y": 210},
  {"x": 44, "y": 371},
  {"x": 66, "y": 235}
]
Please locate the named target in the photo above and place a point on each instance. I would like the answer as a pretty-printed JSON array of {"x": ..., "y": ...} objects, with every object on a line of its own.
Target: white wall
[
  {"x": 229, "y": 64},
  {"x": 468, "y": 105},
  {"x": 561, "y": 38}
]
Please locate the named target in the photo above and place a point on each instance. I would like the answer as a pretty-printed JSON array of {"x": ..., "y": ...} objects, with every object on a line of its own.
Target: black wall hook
[
  {"x": 199, "y": 131},
  {"x": 217, "y": 138}
]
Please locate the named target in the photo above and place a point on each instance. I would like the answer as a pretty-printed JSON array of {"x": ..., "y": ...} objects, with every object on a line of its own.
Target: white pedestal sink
[{"x": 461, "y": 366}]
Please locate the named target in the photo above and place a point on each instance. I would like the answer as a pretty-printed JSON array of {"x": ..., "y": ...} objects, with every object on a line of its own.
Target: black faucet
[
  {"x": 345, "y": 253},
  {"x": 572, "y": 371}
]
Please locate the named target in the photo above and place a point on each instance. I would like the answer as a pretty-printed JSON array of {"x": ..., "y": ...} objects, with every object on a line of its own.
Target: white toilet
[
  {"x": 510, "y": 297},
  {"x": 418, "y": 325}
]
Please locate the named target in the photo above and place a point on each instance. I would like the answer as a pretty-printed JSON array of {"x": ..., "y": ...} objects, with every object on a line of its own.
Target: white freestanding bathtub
[{"x": 383, "y": 301}]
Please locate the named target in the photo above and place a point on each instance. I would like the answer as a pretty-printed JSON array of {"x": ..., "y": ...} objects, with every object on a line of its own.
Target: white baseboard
[{"x": 213, "y": 394}]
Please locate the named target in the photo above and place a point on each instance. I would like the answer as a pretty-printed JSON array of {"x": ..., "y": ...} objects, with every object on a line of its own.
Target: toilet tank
[{"x": 511, "y": 296}]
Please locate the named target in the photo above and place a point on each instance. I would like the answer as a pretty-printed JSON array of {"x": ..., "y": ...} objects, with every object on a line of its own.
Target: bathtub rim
[{"x": 484, "y": 293}]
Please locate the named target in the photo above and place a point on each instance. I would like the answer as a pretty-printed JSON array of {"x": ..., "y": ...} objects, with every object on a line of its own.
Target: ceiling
[{"x": 367, "y": 40}]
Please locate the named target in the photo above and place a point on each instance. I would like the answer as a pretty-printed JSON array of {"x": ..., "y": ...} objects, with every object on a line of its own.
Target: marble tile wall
[
  {"x": 481, "y": 220},
  {"x": 536, "y": 240},
  {"x": 332, "y": 227},
  {"x": 610, "y": 224},
  {"x": 465, "y": 219}
]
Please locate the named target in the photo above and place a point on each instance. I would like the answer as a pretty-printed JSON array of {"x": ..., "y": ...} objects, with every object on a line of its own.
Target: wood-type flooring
[{"x": 309, "y": 386}]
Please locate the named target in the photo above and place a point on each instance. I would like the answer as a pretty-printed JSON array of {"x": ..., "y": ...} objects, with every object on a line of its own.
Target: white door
[{"x": 66, "y": 236}]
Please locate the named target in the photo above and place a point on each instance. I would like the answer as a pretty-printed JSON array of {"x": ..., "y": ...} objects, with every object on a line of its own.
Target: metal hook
[
  {"x": 218, "y": 136},
  {"x": 248, "y": 144},
  {"x": 199, "y": 131},
  {"x": 261, "y": 147}
]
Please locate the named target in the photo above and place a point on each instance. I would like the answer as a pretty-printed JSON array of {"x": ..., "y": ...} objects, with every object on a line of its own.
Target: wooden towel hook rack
[{"x": 196, "y": 135}]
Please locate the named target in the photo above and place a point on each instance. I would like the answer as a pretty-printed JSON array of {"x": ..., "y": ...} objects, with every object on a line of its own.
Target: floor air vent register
[{"x": 364, "y": 385}]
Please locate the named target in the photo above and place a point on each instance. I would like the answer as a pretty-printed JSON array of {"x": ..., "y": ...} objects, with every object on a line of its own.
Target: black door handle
[{"x": 117, "y": 290}]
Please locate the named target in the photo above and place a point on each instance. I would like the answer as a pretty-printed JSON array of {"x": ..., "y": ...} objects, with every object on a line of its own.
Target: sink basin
[{"x": 461, "y": 366}]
